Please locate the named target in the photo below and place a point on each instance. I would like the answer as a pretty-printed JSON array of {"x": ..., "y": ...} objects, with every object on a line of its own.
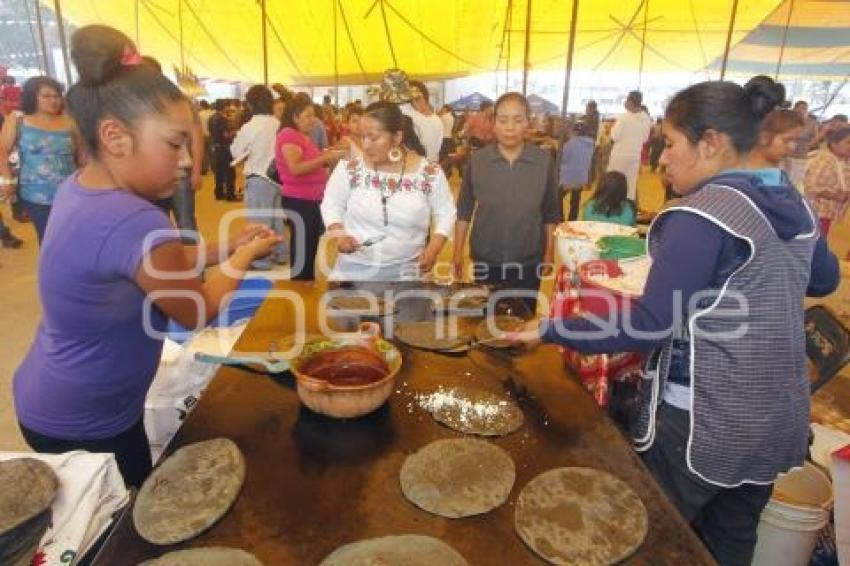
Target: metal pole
[
  {"x": 138, "y": 43},
  {"x": 265, "y": 45},
  {"x": 729, "y": 39},
  {"x": 568, "y": 72},
  {"x": 180, "y": 25},
  {"x": 336, "y": 58},
  {"x": 643, "y": 42},
  {"x": 41, "y": 41},
  {"x": 527, "y": 47},
  {"x": 508, "y": 60},
  {"x": 60, "y": 25},
  {"x": 784, "y": 40}
]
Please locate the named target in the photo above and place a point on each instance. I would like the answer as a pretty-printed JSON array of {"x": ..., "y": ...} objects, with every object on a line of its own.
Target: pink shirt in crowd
[{"x": 305, "y": 187}]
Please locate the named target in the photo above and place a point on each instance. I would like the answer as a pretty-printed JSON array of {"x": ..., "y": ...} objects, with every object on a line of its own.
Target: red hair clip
[{"x": 130, "y": 57}]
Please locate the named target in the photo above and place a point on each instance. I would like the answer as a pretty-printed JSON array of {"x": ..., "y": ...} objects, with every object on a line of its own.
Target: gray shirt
[{"x": 510, "y": 203}]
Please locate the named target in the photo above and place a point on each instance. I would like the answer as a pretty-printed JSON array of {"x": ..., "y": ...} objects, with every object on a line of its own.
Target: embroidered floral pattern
[{"x": 388, "y": 183}]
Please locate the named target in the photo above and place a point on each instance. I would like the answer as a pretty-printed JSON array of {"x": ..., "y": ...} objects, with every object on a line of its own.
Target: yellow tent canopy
[
  {"x": 312, "y": 42},
  {"x": 799, "y": 38}
]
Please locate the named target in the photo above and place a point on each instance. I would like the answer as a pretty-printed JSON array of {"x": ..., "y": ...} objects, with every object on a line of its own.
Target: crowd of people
[{"x": 95, "y": 180}]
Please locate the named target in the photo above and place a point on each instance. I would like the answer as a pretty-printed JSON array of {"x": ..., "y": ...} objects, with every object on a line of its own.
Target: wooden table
[{"x": 315, "y": 483}]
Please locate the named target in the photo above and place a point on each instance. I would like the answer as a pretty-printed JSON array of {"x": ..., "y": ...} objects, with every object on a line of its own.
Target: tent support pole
[
  {"x": 508, "y": 23},
  {"x": 729, "y": 39},
  {"x": 569, "y": 71},
  {"x": 180, "y": 25},
  {"x": 527, "y": 47},
  {"x": 784, "y": 40},
  {"x": 60, "y": 25},
  {"x": 41, "y": 41},
  {"x": 643, "y": 42},
  {"x": 138, "y": 43},
  {"x": 336, "y": 56},
  {"x": 265, "y": 44}
]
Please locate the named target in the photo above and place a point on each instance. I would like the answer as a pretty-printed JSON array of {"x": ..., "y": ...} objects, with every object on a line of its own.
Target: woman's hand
[
  {"x": 457, "y": 267},
  {"x": 346, "y": 244},
  {"x": 529, "y": 336},
  {"x": 333, "y": 155},
  {"x": 427, "y": 259},
  {"x": 248, "y": 233},
  {"x": 262, "y": 244}
]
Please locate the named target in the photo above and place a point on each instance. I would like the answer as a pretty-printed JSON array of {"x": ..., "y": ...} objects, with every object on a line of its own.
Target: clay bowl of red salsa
[{"x": 346, "y": 380}]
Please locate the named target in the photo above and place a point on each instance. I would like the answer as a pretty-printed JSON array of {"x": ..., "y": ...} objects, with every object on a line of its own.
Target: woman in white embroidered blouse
[{"x": 380, "y": 208}]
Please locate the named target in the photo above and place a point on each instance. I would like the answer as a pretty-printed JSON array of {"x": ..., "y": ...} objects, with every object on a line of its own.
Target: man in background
[
  {"x": 426, "y": 123},
  {"x": 221, "y": 136},
  {"x": 630, "y": 132},
  {"x": 204, "y": 115}
]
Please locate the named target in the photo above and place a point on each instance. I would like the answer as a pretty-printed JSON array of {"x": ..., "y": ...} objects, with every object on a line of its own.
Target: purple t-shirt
[{"x": 91, "y": 363}]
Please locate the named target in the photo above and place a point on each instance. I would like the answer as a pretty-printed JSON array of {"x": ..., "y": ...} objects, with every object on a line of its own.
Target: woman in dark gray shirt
[{"x": 509, "y": 188}]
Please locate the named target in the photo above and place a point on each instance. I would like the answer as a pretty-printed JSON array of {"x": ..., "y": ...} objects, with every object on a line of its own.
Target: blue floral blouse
[{"x": 47, "y": 158}]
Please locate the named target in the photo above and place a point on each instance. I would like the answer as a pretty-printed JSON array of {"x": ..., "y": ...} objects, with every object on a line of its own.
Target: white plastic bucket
[{"x": 797, "y": 511}]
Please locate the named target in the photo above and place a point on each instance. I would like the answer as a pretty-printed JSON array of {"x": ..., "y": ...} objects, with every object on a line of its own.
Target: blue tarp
[
  {"x": 540, "y": 105},
  {"x": 470, "y": 102}
]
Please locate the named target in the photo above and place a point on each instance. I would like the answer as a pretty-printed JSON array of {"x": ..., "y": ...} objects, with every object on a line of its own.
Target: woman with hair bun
[
  {"x": 112, "y": 268},
  {"x": 724, "y": 406}
]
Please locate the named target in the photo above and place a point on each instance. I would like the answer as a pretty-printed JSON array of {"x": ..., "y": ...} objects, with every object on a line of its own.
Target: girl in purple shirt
[{"x": 112, "y": 268}]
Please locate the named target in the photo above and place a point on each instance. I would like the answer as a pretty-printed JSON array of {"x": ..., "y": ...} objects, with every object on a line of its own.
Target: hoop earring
[{"x": 395, "y": 154}]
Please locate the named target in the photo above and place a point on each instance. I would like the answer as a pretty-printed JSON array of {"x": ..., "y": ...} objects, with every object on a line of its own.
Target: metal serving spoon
[{"x": 373, "y": 240}]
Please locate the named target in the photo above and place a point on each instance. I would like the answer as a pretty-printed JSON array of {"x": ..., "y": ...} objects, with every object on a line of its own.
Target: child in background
[{"x": 609, "y": 202}]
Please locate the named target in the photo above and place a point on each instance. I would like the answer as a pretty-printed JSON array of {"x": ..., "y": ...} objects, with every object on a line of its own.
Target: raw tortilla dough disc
[
  {"x": 475, "y": 411},
  {"x": 207, "y": 556},
  {"x": 402, "y": 550},
  {"x": 580, "y": 516},
  {"x": 189, "y": 492},
  {"x": 458, "y": 477}
]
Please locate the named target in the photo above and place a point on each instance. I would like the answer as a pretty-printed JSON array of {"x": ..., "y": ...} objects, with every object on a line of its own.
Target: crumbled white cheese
[{"x": 467, "y": 411}]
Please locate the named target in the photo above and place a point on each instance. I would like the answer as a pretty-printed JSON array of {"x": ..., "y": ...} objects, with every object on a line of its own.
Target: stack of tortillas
[
  {"x": 580, "y": 516},
  {"x": 189, "y": 492},
  {"x": 208, "y": 556},
  {"x": 458, "y": 477},
  {"x": 27, "y": 488},
  {"x": 403, "y": 550}
]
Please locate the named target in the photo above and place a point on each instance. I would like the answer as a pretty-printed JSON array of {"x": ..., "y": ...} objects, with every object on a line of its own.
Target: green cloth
[{"x": 626, "y": 216}]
